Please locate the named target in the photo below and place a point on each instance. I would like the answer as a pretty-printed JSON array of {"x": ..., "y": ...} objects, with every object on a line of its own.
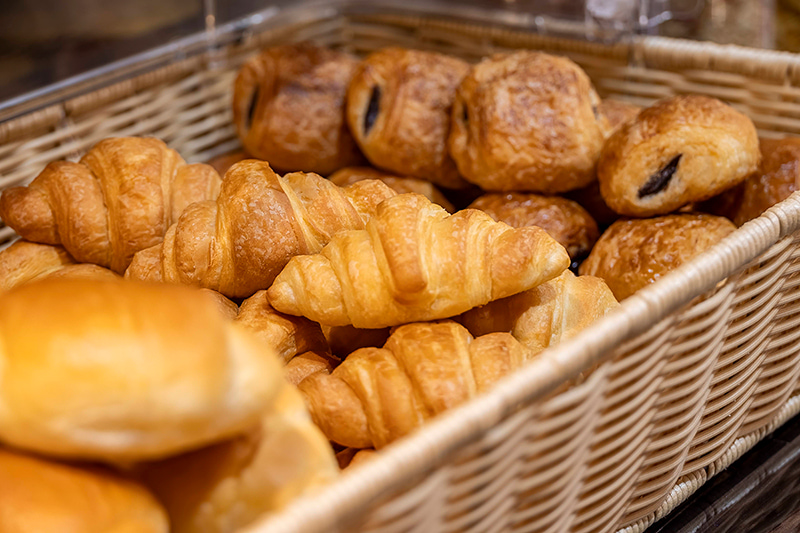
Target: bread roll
[
  {"x": 526, "y": 121},
  {"x": 37, "y": 495},
  {"x": 119, "y": 371},
  {"x": 289, "y": 108},
  {"x": 398, "y": 108},
  {"x": 222, "y": 488},
  {"x": 681, "y": 150},
  {"x": 631, "y": 254}
]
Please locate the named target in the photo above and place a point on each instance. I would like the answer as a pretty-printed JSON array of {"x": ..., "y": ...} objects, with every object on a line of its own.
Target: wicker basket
[{"x": 609, "y": 431}]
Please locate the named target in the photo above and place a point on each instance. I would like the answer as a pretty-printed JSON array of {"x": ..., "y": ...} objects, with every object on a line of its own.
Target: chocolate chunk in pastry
[
  {"x": 634, "y": 253},
  {"x": 400, "y": 185},
  {"x": 398, "y": 108},
  {"x": 682, "y": 150},
  {"x": 527, "y": 121},
  {"x": 777, "y": 177},
  {"x": 289, "y": 105},
  {"x": 566, "y": 221}
]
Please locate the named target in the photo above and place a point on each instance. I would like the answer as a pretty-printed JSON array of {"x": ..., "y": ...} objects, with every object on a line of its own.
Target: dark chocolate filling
[
  {"x": 659, "y": 181},
  {"x": 373, "y": 108},
  {"x": 251, "y": 110},
  {"x": 465, "y": 116}
]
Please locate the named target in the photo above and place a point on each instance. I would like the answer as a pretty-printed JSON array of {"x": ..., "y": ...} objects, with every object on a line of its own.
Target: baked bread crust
[
  {"x": 289, "y": 108},
  {"x": 681, "y": 150},
  {"x": 631, "y": 254},
  {"x": 398, "y": 108},
  {"x": 400, "y": 185},
  {"x": 526, "y": 121}
]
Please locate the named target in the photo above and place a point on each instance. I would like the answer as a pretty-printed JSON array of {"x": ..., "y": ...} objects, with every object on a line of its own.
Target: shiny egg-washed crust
[
  {"x": 24, "y": 262},
  {"x": 400, "y": 185},
  {"x": 225, "y": 487},
  {"x": 414, "y": 262},
  {"x": 289, "y": 108},
  {"x": 303, "y": 365},
  {"x": 545, "y": 315},
  {"x": 526, "y": 121},
  {"x": 223, "y": 162},
  {"x": 50, "y": 497},
  {"x": 634, "y": 253},
  {"x": 120, "y": 198},
  {"x": 564, "y": 220},
  {"x": 378, "y": 395},
  {"x": 777, "y": 177},
  {"x": 288, "y": 335},
  {"x": 406, "y": 96},
  {"x": 617, "y": 113},
  {"x": 161, "y": 371},
  {"x": 709, "y": 145},
  {"x": 238, "y": 244}
]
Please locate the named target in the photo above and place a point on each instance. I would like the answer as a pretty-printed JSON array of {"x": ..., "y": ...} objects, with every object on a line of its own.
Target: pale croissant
[
  {"x": 413, "y": 263},
  {"x": 545, "y": 315},
  {"x": 120, "y": 198},
  {"x": 238, "y": 244},
  {"x": 24, "y": 261},
  {"x": 380, "y": 394}
]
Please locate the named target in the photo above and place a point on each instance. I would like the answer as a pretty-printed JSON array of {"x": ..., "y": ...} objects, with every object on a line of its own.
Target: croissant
[
  {"x": 238, "y": 244},
  {"x": 222, "y": 488},
  {"x": 120, "y": 198},
  {"x": 288, "y": 335},
  {"x": 545, "y": 315},
  {"x": 24, "y": 261},
  {"x": 412, "y": 263},
  {"x": 377, "y": 395}
]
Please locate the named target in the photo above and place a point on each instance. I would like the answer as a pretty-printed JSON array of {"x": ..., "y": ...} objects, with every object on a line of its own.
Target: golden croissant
[
  {"x": 545, "y": 315},
  {"x": 380, "y": 394},
  {"x": 120, "y": 198},
  {"x": 24, "y": 262},
  {"x": 413, "y": 263},
  {"x": 238, "y": 244}
]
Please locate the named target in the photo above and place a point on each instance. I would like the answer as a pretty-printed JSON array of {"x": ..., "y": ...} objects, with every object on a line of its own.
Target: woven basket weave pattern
[{"x": 630, "y": 437}]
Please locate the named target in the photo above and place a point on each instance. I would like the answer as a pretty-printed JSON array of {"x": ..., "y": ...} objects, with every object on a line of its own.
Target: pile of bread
[{"x": 146, "y": 313}]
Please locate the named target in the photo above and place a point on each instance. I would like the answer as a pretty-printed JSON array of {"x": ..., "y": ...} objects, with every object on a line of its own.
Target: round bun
[
  {"x": 224, "y": 487},
  {"x": 634, "y": 253},
  {"x": 526, "y": 121},
  {"x": 681, "y": 150},
  {"x": 398, "y": 108},
  {"x": 400, "y": 185},
  {"x": 564, "y": 220},
  {"x": 288, "y": 107},
  {"x": 121, "y": 371},
  {"x": 50, "y": 497},
  {"x": 777, "y": 177}
]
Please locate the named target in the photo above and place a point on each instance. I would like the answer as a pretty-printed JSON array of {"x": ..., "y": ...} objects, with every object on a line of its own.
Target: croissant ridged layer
[
  {"x": 413, "y": 263},
  {"x": 120, "y": 198},
  {"x": 545, "y": 315},
  {"x": 377, "y": 395},
  {"x": 238, "y": 244}
]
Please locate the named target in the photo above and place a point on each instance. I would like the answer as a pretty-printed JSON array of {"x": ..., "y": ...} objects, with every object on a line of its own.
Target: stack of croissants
[{"x": 189, "y": 347}]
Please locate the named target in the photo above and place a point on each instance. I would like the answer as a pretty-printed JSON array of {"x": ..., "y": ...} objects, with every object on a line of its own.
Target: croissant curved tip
[{"x": 283, "y": 298}]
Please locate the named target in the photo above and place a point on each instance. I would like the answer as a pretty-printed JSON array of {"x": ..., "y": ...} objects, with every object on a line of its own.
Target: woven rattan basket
[{"x": 607, "y": 432}]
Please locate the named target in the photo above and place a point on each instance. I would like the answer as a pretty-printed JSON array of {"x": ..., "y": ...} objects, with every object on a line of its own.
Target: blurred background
[{"x": 45, "y": 41}]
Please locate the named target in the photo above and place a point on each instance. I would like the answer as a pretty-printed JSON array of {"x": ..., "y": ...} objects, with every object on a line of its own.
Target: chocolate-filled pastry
[
  {"x": 634, "y": 253},
  {"x": 120, "y": 198},
  {"x": 617, "y": 113},
  {"x": 566, "y": 221},
  {"x": 348, "y": 176},
  {"x": 527, "y": 121},
  {"x": 398, "y": 108},
  {"x": 777, "y": 177},
  {"x": 681, "y": 150},
  {"x": 289, "y": 105}
]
